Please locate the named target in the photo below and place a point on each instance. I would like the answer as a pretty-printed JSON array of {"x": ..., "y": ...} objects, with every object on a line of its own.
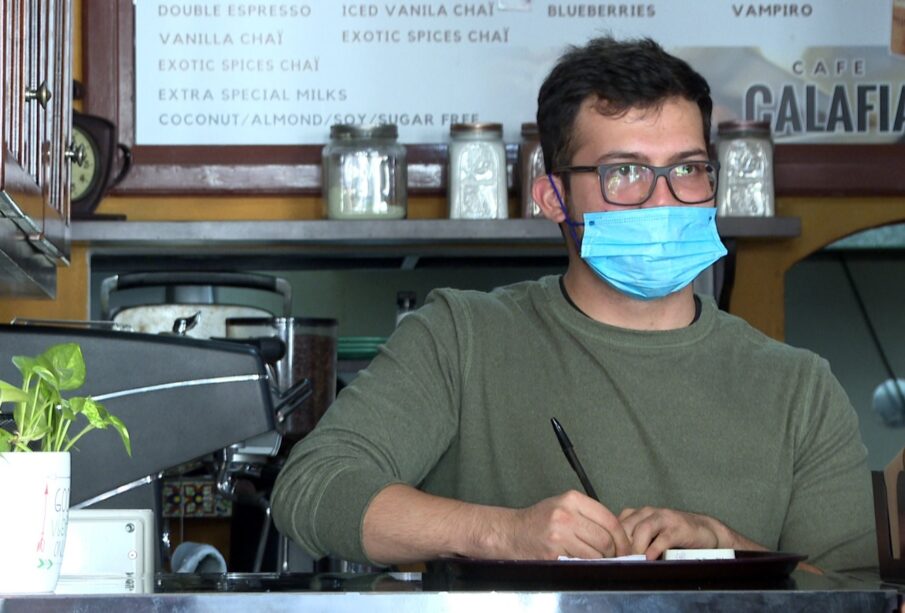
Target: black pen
[{"x": 566, "y": 445}]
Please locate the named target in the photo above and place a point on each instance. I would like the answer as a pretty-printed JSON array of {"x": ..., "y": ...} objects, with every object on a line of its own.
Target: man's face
[{"x": 661, "y": 136}]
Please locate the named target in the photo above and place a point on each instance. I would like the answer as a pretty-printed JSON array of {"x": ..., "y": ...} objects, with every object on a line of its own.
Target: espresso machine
[
  {"x": 300, "y": 355},
  {"x": 180, "y": 398}
]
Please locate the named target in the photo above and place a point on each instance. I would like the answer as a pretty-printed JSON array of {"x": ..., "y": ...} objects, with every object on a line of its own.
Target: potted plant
[{"x": 34, "y": 463}]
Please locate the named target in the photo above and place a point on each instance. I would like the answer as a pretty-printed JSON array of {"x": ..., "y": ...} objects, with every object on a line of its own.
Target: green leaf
[
  {"x": 5, "y": 440},
  {"x": 69, "y": 408},
  {"x": 94, "y": 411},
  {"x": 25, "y": 364},
  {"x": 120, "y": 427},
  {"x": 66, "y": 362},
  {"x": 11, "y": 393},
  {"x": 41, "y": 413},
  {"x": 48, "y": 396},
  {"x": 39, "y": 426},
  {"x": 19, "y": 415},
  {"x": 44, "y": 372}
]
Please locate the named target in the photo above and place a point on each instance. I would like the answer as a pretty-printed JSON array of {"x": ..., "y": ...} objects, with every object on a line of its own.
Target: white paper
[
  {"x": 630, "y": 558},
  {"x": 669, "y": 554}
]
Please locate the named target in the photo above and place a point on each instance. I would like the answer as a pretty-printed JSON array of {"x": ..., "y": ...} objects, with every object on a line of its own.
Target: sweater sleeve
[
  {"x": 391, "y": 425},
  {"x": 830, "y": 515}
]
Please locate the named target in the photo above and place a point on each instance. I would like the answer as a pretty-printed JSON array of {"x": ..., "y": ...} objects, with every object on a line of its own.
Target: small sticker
[{"x": 513, "y": 5}]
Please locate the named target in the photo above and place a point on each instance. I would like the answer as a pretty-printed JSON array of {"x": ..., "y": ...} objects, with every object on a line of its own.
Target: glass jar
[
  {"x": 531, "y": 166},
  {"x": 745, "y": 152},
  {"x": 364, "y": 173},
  {"x": 477, "y": 172}
]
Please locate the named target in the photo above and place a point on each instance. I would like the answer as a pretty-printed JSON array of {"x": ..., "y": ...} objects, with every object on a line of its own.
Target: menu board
[{"x": 281, "y": 72}]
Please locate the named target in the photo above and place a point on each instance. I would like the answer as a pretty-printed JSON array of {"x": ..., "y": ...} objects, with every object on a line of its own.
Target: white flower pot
[{"x": 34, "y": 513}]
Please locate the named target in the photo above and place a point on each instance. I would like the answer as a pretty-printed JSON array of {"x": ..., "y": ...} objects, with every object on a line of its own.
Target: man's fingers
[
  {"x": 658, "y": 546},
  {"x": 653, "y": 531},
  {"x": 611, "y": 533},
  {"x": 630, "y": 518},
  {"x": 621, "y": 540},
  {"x": 596, "y": 542},
  {"x": 580, "y": 548},
  {"x": 625, "y": 514},
  {"x": 594, "y": 525},
  {"x": 639, "y": 527},
  {"x": 642, "y": 527}
]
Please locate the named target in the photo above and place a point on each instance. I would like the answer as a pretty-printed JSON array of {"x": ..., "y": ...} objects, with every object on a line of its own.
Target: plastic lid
[
  {"x": 739, "y": 128},
  {"x": 530, "y": 130},
  {"x": 466, "y": 128},
  {"x": 343, "y": 131}
]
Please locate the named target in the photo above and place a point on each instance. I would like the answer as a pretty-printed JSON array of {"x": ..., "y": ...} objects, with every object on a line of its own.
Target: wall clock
[{"x": 91, "y": 179}]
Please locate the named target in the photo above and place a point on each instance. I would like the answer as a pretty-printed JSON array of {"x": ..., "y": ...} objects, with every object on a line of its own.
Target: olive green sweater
[{"x": 714, "y": 418}]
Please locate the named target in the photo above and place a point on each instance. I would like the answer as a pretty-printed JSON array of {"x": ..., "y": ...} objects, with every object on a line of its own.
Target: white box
[{"x": 108, "y": 551}]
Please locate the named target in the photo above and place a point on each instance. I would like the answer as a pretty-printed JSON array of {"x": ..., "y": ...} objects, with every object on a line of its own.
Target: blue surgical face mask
[{"x": 650, "y": 253}]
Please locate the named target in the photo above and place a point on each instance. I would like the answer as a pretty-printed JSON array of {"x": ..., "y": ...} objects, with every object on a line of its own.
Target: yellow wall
[
  {"x": 72, "y": 295},
  {"x": 759, "y": 294}
]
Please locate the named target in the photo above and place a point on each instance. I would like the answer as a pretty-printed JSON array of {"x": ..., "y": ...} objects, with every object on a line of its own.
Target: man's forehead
[
  {"x": 595, "y": 106},
  {"x": 606, "y": 108}
]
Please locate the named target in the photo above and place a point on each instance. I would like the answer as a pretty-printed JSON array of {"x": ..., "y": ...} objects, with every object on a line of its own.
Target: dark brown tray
[{"x": 761, "y": 567}]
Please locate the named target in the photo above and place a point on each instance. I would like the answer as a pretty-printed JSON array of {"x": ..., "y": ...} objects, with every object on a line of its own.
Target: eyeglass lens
[{"x": 691, "y": 182}]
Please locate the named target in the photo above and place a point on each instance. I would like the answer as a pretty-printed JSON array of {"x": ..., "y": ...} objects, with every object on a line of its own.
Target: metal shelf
[{"x": 391, "y": 238}]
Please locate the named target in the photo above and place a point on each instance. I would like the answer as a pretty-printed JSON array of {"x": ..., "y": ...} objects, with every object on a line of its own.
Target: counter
[{"x": 402, "y": 592}]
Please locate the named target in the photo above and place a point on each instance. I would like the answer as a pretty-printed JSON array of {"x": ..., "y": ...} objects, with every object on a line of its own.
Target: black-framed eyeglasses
[{"x": 631, "y": 184}]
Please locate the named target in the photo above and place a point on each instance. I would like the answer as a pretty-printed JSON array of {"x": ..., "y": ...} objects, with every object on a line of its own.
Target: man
[{"x": 695, "y": 430}]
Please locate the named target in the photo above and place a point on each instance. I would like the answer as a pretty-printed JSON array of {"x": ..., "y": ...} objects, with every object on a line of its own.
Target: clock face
[{"x": 86, "y": 176}]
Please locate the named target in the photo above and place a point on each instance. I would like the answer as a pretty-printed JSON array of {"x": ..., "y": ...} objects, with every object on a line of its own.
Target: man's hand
[
  {"x": 403, "y": 525},
  {"x": 570, "y": 524},
  {"x": 652, "y": 531}
]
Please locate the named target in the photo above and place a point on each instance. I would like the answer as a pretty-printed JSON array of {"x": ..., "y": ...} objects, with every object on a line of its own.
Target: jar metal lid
[
  {"x": 742, "y": 128},
  {"x": 530, "y": 131},
  {"x": 464, "y": 128},
  {"x": 345, "y": 131}
]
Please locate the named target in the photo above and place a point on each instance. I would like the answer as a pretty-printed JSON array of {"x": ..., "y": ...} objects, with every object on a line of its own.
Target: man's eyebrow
[
  {"x": 634, "y": 156},
  {"x": 691, "y": 153},
  {"x": 622, "y": 155}
]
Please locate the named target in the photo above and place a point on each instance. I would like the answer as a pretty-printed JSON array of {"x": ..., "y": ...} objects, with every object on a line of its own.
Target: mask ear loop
[{"x": 571, "y": 224}]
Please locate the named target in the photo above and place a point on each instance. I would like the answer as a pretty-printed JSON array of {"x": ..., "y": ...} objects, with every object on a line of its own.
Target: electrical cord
[{"x": 887, "y": 365}]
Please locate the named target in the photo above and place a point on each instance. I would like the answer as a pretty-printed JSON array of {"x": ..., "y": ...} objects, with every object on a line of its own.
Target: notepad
[
  {"x": 699, "y": 554},
  {"x": 669, "y": 554}
]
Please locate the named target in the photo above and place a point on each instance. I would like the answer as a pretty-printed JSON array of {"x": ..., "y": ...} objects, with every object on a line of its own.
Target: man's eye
[
  {"x": 630, "y": 171},
  {"x": 685, "y": 170}
]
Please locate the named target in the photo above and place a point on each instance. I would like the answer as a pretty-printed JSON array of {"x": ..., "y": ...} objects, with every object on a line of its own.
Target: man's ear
[{"x": 545, "y": 196}]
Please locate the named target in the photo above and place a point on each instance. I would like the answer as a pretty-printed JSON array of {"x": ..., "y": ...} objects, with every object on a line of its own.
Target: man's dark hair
[{"x": 623, "y": 75}]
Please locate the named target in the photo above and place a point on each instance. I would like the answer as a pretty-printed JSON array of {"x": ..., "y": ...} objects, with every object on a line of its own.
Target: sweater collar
[{"x": 567, "y": 312}]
